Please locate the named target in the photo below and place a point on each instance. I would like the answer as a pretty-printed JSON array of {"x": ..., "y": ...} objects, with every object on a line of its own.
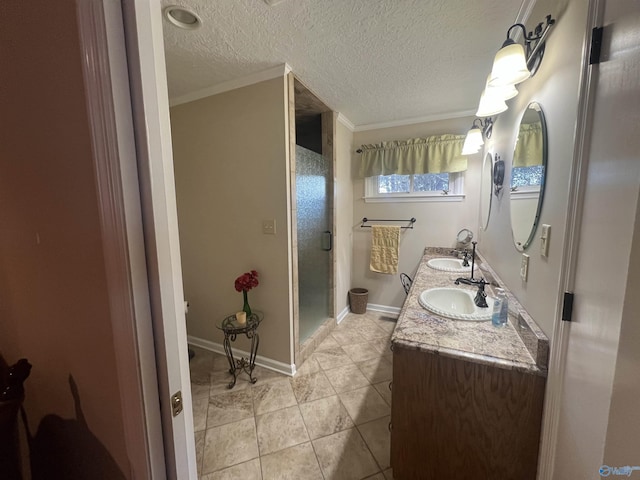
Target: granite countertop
[{"x": 519, "y": 345}]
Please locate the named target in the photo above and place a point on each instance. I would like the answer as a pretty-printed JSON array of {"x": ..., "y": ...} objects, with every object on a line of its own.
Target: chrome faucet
[
  {"x": 481, "y": 297},
  {"x": 465, "y": 258}
]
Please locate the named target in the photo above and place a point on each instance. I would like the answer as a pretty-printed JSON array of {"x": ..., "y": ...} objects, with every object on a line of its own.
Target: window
[
  {"x": 526, "y": 179},
  {"x": 423, "y": 187}
]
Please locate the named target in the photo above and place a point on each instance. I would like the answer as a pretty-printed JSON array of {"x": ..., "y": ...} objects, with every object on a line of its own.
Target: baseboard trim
[
  {"x": 342, "y": 314},
  {"x": 383, "y": 308},
  {"x": 261, "y": 361}
]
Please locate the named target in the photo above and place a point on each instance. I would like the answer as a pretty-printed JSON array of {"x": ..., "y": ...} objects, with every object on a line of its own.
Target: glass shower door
[{"x": 313, "y": 174}]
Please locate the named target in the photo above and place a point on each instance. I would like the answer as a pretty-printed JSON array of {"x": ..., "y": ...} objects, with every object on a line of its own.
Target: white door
[
  {"x": 147, "y": 76},
  {"x": 604, "y": 244}
]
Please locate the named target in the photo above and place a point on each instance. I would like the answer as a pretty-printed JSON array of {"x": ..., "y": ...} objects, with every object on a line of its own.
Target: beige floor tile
[
  {"x": 229, "y": 445},
  {"x": 202, "y": 362},
  {"x": 332, "y": 358},
  {"x": 280, "y": 429},
  {"x": 376, "y": 370},
  {"x": 220, "y": 382},
  {"x": 311, "y": 387},
  {"x": 265, "y": 375},
  {"x": 388, "y": 324},
  {"x": 246, "y": 471},
  {"x": 377, "y": 476},
  {"x": 378, "y": 438},
  {"x": 229, "y": 407},
  {"x": 272, "y": 396},
  {"x": 346, "y": 336},
  {"x": 384, "y": 391},
  {"x": 364, "y": 405},
  {"x": 360, "y": 352},
  {"x": 199, "y": 406},
  {"x": 294, "y": 463},
  {"x": 199, "y": 450},
  {"x": 325, "y": 417},
  {"x": 371, "y": 331},
  {"x": 348, "y": 377},
  {"x": 382, "y": 345},
  {"x": 327, "y": 344},
  {"x": 310, "y": 365},
  {"x": 344, "y": 456},
  {"x": 220, "y": 363},
  {"x": 388, "y": 474},
  {"x": 200, "y": 384}
]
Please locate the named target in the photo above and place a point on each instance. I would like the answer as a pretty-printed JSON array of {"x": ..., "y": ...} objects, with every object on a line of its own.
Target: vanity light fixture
[
  {"x": 474, "y": 140},
  {"x": 516, "y": 62}
]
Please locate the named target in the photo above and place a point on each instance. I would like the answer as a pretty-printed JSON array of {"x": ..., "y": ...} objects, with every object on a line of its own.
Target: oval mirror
[
  {"x": 528, "y": 172},
  {"x": 486, "y": 184}
]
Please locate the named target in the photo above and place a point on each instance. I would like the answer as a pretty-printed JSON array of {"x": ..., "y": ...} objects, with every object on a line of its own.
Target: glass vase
[{"x": 246, "y": 308}]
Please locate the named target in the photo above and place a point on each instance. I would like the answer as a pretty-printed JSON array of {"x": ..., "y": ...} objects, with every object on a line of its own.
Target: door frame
[
  {"x": 576, "y": 188},
  {"x": 126, "y": 89},
  {"x": 329, "y": 121}
]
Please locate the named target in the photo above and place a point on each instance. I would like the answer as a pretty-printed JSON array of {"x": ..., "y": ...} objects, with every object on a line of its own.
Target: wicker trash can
[{"x": 358, "y": 298}]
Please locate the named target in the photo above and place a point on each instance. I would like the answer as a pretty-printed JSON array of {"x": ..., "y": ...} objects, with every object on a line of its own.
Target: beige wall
[
  {"x": 555, "y": 87},
  {"x": 54, "y": 307},
  {"x": 437, "y": 223},
  {"x": 344, "y": 216},
  {"x": 230, "y": 155}
]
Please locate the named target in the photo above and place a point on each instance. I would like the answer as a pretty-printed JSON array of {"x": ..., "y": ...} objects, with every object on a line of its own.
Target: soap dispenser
[{"x": 500, "y": 309}]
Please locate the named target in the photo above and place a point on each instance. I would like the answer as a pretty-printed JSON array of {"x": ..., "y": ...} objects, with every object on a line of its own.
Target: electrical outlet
[
  {"x": 524, "y": 267},
  {"x": 269, "y": 227},
  {"x": 544, "y": 240}
]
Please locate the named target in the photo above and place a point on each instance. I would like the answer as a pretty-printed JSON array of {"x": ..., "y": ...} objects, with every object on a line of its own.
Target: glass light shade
[
  {"x": 509, "y": 66},
  {"x": 490, "y": 104},
  {"x": 472, "y": 142},
  {"x": 506, "y": 93}
]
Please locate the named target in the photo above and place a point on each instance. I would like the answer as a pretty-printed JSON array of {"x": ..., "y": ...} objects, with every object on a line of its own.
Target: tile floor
[{"x": 328, "y": 422}]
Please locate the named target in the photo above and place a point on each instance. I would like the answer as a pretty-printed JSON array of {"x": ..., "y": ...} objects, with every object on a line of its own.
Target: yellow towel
[{"x": 385, "y": 241}]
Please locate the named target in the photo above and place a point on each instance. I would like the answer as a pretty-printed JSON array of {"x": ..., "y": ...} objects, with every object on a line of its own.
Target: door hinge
[
  {"x": 567, "y": 307},
  {"x": 176, "y": 403},
  {"x": 596, "y": 45}
]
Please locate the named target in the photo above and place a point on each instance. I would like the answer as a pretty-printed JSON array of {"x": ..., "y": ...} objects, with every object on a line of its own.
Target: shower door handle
[{"x": 330, "y": 241}]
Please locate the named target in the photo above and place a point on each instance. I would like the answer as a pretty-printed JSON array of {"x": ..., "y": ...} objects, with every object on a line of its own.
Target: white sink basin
[
  {"x": 448, "y": 265},
  {"x": 455, "y": 303}
]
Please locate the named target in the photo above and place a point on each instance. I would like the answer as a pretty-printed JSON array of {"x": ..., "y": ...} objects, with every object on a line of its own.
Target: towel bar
[{"x": 412, "y": 220}]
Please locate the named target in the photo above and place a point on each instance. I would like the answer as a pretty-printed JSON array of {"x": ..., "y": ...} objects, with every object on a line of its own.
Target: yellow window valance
[
  {"x": 437, "y": 154},
  {"x": 528, "y": 151}
]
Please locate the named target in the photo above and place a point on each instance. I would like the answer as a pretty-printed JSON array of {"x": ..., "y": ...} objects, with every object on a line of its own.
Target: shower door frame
[{"x": 329, "y": 119}]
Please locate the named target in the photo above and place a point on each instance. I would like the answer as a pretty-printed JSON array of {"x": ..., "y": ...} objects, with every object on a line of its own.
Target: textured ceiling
[{"x": 374, "y": 61}]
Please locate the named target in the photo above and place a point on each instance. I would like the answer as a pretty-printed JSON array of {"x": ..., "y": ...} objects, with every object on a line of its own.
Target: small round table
[{"x": 232, "y": 329}]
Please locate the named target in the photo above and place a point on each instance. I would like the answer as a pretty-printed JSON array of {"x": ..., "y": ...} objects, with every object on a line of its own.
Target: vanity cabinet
[{"x": 455, "y": 419}]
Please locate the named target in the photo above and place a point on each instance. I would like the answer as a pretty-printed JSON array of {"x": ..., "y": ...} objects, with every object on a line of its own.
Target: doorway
[{"x": 312, "y": 192}]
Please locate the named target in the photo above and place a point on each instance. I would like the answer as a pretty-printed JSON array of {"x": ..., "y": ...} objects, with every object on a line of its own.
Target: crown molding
[
  {"x": 413, "y": 121},
  {"x": 346, "y": 122},
  {"x": 275, "y": 72}
]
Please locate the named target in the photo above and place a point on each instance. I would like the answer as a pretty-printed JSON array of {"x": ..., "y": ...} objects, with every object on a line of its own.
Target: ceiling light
[
  {"x": 182, "y": 17},
  {"x": 512, "y": 64},
  {"x": 472, "y": 142},
  {"x": 476, "y": 134},
  {"x": 490, "y": 104}
]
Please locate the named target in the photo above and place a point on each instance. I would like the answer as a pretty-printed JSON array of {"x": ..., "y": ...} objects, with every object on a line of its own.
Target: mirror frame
[
  {"x": 545, "y": 164},
  {"x": 484, "y": 222}
]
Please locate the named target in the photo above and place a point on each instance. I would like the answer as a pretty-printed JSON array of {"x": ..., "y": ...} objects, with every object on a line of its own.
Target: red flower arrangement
[{"x": 247, "y": 281}]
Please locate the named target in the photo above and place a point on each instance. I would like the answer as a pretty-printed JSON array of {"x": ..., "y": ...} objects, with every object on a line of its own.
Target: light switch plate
[
  {"x": 524, "y": 267},
  {"x": 544, "y": 240},
  {"x": 269, "y": 227}
]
